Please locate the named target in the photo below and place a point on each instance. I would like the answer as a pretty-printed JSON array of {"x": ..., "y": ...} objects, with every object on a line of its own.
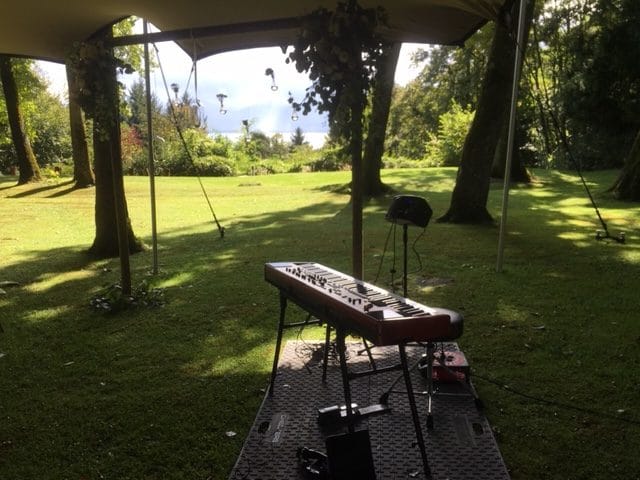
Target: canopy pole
[
  {"x": 511, "y": 133},
  {"x": 152, "y": 169}
]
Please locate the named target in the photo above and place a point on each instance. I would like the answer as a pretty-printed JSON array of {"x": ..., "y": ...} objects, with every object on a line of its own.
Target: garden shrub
[
  {"x": 212, "y": 166},
  {"x": 445, "y": 148},
  {"x": 402, "y": 162},
  {"x": 331, "y": 160}
]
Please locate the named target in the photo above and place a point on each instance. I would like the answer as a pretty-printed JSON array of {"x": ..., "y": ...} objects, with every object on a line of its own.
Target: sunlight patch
[
  {"x": 48, "y": 281},
  {"x": 511, "y": 313},
  {"x": 575, "y": 237},
  {"x": 221, "y": 365},
  {"x": 176, "y": 280},
  {"x": 37, "y": 316}
]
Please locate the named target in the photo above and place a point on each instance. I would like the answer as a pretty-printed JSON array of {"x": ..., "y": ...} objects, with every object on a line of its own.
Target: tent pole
[
  {"x": 511, "y": 133},
  {"x": 152, "y": 170}
]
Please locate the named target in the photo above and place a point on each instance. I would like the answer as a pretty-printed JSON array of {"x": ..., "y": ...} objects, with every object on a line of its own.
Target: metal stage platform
[{"x": 461, "y": 445}]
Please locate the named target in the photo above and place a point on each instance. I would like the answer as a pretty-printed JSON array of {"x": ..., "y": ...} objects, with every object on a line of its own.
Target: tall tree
[
  {"x": 95, "y": 66},
  {"x": 27, "y": 164},
  {"x": 591, "y": 63},
  {"x": 470, "y": 194},
  {"x": 450, "y": 76},
  {"x": 82, "y": 171},
  {"x": 627, "y": 186},
  {"x": 297, "y": 137},
  {"x": 377, "y": 125},
  {"x": 341, "y": 51}
]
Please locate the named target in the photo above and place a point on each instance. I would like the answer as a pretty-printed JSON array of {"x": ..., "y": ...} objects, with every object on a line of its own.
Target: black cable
[
  {"x": 384, "y": 251},
  {"x": 184, "y": 142},
  {"x": 415, "y": 250},
  {"x": 393, "y": 265},
  {"x": 554, "y": 403}
]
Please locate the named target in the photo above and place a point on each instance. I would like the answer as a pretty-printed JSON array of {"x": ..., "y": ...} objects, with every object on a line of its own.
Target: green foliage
[
  {"x": 111, "y": 300},
  {"x": 297, "y": 138},
  {"x": 331, "y": 159},
  {"x": 340, "y": 51},
  {"x": 134, "y": 157},
  {"x": 445, "y": 148},
  {"x": 49, "y": 130},
  {"x": 449, "y": 75},
  {"x": 591, "y": 77},
  {"x": 402, "y": 162},
  {"x": 212, "y": 166},
  {"x": 410, "y": 122},
  {"x": 46, "y": 119},
  {"x": 91, "y": 62}
]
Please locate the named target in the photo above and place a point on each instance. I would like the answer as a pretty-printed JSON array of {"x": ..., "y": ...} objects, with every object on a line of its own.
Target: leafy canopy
[{"x": 340, "y": 51}]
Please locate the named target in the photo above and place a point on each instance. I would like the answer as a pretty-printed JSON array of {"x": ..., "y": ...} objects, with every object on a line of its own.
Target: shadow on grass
[
  {"x": 39, "y": 188},
  {"x": 7, "y": 182}
]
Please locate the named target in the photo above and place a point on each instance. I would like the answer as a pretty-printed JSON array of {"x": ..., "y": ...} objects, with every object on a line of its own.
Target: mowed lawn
[{"x": 153, "y": 393}]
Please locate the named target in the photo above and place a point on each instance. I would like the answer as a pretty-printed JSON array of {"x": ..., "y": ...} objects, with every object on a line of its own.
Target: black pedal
[
  {"x": 335, "y": 414},
  {"x": 329, "y": 415}
]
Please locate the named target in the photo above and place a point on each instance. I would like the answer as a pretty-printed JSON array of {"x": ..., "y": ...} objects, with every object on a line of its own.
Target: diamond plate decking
[{"x": 461, "y": 445}]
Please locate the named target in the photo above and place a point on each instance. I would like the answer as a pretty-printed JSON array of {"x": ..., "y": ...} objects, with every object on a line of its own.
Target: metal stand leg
[
  {"x": 369, "y": 354},
  {"x": 414, "y": 410},
  {"x": 325, "y": 362},
  {"x": 276, "y": 356},
  {"x": 430, "y": 357},
  {"x": 340, "y": 342}
]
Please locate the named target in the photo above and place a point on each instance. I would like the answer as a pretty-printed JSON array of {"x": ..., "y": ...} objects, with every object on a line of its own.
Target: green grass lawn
[{"x": 151, "y": 393}]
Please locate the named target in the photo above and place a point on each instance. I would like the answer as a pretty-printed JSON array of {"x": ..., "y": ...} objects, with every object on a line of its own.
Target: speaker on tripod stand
[{"x": 408, "y": 210}]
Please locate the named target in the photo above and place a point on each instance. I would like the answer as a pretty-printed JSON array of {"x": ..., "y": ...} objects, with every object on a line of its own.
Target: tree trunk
[
  {"x": 82, "y": 171},
  {"x": 108, "y": 171},
  {"x": 381, "y": 103},
  {"x": 27, "y": 164},
  {"x": 470, "y": 194},
  {"x": 627, "y": 186},
  {"x": 519, "y": 173},
  {"x": 114, "y": 235}
]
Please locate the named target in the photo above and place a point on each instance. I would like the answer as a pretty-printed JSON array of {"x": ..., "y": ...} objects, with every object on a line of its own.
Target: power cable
[{"x": 554, "y": 403}]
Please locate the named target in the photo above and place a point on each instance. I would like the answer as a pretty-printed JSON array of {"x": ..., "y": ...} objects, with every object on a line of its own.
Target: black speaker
[
  {"x": 349, "y": 456},
  {"x": 409, "y": 210}
]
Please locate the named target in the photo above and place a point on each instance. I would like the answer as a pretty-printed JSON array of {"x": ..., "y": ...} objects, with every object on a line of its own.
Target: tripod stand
[{"x": 408, "y": 210}]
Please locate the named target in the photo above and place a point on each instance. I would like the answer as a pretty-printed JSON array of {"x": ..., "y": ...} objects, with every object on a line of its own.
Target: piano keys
[{"x": 379, "y": 316}]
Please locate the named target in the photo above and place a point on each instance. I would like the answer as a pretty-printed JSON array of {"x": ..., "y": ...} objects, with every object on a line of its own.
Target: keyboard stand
[{"x": 347, "y": 376}]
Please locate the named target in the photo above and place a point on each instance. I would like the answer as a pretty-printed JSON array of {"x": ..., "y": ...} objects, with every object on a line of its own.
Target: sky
[{"x": 250, "y": 93}]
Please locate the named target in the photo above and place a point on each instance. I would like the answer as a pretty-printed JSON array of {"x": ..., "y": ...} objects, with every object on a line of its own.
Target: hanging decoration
[
  {"x": 294, "y": 110},
  {"x": 221, "y": 97},
  {"x": 270, "y": 73}
]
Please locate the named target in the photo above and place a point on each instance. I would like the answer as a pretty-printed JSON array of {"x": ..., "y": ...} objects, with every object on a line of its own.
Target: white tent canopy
[{"x": 47, "y": 30}]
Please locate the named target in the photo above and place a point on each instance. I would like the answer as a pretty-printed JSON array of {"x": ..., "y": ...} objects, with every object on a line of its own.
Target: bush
[
  {"x": 402, "y": 162},
  {"x": 212, "y": 166},
  {"x": 174, "y": 159},
  {"x": 445, "y": 148},
  {"x": 331, "y": 160}
]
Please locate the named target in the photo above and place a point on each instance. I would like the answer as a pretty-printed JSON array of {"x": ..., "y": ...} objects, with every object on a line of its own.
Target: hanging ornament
[
  {"x": 176, "y": 89},
  {"x": 269, "y": 73},
  {"x": 295, "y": 107},
  {"x": 221, "y": 97}
]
